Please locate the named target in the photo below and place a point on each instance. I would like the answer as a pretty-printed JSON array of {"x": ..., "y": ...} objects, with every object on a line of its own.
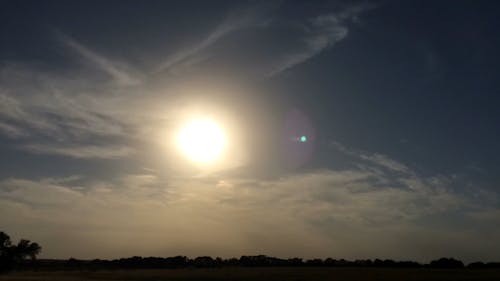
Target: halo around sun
[{"x": 201, "y": 140}]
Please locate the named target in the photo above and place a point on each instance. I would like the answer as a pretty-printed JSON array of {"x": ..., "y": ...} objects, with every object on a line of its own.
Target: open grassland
[{"x": 251, "y": 274}]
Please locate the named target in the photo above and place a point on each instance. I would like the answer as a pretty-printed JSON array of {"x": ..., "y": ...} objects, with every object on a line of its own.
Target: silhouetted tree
[
  {"x": 26, "y": 249},
  {"x": 10, "y": 255}
]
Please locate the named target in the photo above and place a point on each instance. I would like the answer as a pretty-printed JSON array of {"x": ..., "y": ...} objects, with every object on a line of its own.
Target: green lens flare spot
[{"x": 303, "y": 139}]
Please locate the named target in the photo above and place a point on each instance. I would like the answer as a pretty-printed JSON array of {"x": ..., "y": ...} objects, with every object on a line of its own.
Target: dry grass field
[{"x": 251, "y": 274}]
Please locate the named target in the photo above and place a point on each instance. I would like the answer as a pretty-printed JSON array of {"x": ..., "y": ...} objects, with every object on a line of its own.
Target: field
[{"x": 250, "y": 274}]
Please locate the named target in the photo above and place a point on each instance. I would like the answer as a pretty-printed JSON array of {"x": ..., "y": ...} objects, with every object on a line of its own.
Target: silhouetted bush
[
  {"x": 481, "y": 265},
  {"x": 204, "y": 262},
  {"x": 446, "y": 263},
  {"x": 314, "y": 262}
]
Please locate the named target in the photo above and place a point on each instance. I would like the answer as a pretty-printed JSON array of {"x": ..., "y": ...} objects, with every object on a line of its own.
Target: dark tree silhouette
[
  {"x": 26, "y": 248},
  {"x": 446, "y": 263},
  {"x": 11, "y": 255}
]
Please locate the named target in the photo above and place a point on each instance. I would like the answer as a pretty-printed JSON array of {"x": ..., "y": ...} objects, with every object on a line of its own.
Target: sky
[{"x": 398, "y": 101}]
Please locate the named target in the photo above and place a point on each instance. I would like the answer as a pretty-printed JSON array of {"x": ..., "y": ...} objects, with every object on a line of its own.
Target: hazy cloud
[{"x": 326, "y": 211}]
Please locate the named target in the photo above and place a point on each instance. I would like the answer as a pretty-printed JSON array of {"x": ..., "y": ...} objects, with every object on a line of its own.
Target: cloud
[
  {"x": 12, "y": 131},
  {"x": 320, "y": 33},
  {"x": 266, "y": 49},
  {"x": 349, "y": 213},
  {"x": 43, "y": 102},
  {"x": 323, "y": 33},
  {"x": 54, "y": 114},
  {"x": 236, "y": 20},
  {"x": 380, "y": 160},
  {"x": 70, "y": 114},
  {"x": 119, "y": 74},
  {"x": 386, "y": 162},
  {"x": 73, "y": 114},
  {"x": 35, "y": 193},
  {"x": 62, "y": 125},
  {"x": 81, "y": 151},
  {"x": 17, "y": 119}
]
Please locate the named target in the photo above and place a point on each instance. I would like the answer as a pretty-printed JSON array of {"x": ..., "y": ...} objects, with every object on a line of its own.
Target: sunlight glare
[{"x": 202, "y": 140}]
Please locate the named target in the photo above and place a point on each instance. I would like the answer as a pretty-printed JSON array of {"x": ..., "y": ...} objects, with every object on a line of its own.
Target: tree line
[
  {"x": 137, "y": 262},
  {"x": 23, "y": 256}
]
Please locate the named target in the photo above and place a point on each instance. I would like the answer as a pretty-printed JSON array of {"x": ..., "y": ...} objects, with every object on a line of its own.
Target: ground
[{"x": 250, "y": 274}]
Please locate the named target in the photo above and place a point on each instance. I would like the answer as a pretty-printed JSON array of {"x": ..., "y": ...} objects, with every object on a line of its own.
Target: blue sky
[{"x": 399, "y": 100}]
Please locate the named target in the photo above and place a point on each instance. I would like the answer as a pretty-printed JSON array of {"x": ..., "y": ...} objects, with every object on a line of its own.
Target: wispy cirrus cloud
[
  {"x": 120, "y": 74},
  {"x": 12, "y": 131},
  {"x": 105, "y": 151},
  {"x": 313, "y": 35},
  {"x": 386, "y": 162},
  {"x": 40, "y": 106},
  {"x": 320, "y": 33},
  {"x": 236, "y": 20},
  {"x": 375, "y": 159},
  {"x": 57, "y": 114}
]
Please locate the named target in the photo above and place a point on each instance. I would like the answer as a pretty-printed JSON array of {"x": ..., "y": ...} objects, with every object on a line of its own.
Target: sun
[{"x": 202, "y": 141}]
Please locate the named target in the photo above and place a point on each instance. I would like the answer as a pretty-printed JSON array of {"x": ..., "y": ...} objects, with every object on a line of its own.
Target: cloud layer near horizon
[{"x": 360, "y": 212}]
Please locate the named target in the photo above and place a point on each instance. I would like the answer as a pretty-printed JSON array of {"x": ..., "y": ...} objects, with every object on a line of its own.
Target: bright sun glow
[{"x": 202, "y": 140}]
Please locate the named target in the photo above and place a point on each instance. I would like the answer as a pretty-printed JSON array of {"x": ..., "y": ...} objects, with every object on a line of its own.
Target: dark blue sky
[{"x": 399, "y": 100}]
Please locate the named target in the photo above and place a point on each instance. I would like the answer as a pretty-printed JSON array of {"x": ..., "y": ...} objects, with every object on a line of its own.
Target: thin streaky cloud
[
  {"x": 235, "y": 21},
  {"x": 378, "y": 159},
  {"x": 322, "y": 32},
  {"x": 81, "y": 151},
  {"x": 386, "y": 162},
  {"x": 119, "y": 75},
  {"x": 12, "y": 131}
]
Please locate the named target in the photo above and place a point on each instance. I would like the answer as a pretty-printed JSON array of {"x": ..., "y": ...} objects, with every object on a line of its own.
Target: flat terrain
[{"x": 250, "y": 274}]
